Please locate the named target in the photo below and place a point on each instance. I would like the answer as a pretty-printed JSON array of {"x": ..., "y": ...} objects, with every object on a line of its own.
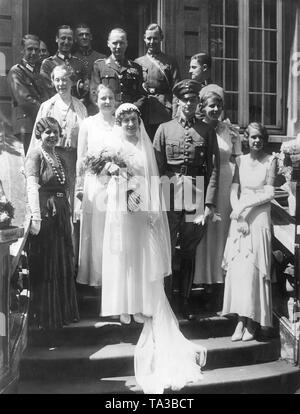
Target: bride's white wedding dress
[{"x": 136, "y": 258}]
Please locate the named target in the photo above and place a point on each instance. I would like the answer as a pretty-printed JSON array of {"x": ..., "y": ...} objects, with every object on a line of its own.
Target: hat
[{"x": 186, "y": 88}]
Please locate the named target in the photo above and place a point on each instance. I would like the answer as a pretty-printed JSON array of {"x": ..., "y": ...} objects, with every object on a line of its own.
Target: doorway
[{"x": 101, "y": 15}]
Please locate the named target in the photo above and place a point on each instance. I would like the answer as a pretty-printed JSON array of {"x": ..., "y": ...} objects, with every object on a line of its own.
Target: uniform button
[
  {"x": 121, "y": 84},
  {"x": 24, "y": 115},
  {"x": 186, "y": 160},
  {"x": 186, "y": 146},
  {"x": 186, "y": 127},
  {"x": 186, "y": 153},
  {"x": 201, "y": 153},
  {"x": 186, "y": 134}
]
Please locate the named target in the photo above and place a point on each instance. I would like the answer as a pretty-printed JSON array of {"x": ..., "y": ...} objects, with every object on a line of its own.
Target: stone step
[
  {"x": 114, "y": 357},
  {"x": 93, "y": 330},
  {"x": 277, "y": 377}
]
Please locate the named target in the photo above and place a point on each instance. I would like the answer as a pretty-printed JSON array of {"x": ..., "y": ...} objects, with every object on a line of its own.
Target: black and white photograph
[{"x": 149, "y": 199}]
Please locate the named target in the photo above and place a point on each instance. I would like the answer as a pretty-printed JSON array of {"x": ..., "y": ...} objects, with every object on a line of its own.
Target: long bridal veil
[{"x": 163, "y": 357}]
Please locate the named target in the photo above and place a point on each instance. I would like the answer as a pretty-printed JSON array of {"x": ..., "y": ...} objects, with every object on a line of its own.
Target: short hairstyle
[
  {"x": 117, "y": 29},
  {"x": 102, "y": 87},
  {"x": 63, "y": 27},
  {"x": 210, "y": 95},
  {"x": 155, "y": 26},
  {"x": 82, "y": 26},
  {"x": 202, "y": 58},
  {"x": 29, "y": 37},
  {"x": 260, "y": 128},
  {"x": 68, "y": 69},
  {"x": 44, "y": 123}
]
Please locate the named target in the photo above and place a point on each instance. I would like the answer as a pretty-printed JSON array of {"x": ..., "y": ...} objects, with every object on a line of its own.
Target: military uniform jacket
[
  {"x": 160, "y": 74},
  {"x": 90, "y": 56},
  {"x": 79, "y": 67},
  {"x": 192, "y": 145},
  {"x": 125, "y": 80},
  {"x": 28, "y": 90}
]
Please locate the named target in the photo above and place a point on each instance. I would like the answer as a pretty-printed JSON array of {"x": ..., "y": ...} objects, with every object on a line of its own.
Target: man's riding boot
[
  {"x": 169, "y": 287},
  {"x": 186, "y": 274}
]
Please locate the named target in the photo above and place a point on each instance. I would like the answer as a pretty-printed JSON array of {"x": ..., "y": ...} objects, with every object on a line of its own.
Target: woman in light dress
[
  {"x": 209, "y": 254},
  {"x": 137, "y": 257},
  {"x": 247, "y": 256},
  {"x": 94, "y": 135},
  {"x": 69, "y": 112}
]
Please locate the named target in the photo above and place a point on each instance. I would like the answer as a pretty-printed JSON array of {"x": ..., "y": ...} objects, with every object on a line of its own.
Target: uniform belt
[
  {"x": 58, "y": 194},
  {"x": 187, "y": 169}
]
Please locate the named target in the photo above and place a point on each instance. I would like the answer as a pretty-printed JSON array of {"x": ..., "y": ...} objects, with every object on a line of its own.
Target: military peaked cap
[{"x": 186, "y": 88}]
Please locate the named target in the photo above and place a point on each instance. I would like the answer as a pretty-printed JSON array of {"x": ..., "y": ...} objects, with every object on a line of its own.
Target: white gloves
[{"x": 34, "y": 204}]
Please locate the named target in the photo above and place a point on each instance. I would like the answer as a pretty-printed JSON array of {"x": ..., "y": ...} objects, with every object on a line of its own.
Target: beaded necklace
[{"x": 58, "y": 172}]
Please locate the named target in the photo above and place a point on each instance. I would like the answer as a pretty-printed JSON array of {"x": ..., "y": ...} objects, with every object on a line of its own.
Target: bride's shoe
[
  {"x": 125, "y": 318},
  {"x": 139, "y": 318},
  {"x": 239, "y": 331},
  {"x": 250, "y": 330}
]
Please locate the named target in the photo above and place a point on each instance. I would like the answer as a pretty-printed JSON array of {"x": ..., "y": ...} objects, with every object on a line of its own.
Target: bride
[{"x": 137, "y": 257}]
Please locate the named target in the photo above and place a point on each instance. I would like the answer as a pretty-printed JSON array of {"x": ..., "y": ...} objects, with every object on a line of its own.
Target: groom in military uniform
[
  {"x": 123, "y": 76},
  {"x": 187, "y": 154}
]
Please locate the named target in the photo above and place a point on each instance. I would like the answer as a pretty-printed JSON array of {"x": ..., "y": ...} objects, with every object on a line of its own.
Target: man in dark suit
[
  {"x": 160, "y": 73},
  {"x": 187, "y": 155},
  {"x": 27, "y": 88},
  {"x": 123, "y": 76},
  {"x": 63, "y": 56}
]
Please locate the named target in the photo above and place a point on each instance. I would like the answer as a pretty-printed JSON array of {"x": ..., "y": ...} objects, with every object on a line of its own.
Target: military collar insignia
[
  {"x": 63, "y": 57},
  {"x": 187, "y": 122},
  {"x": 28, "y": 66},
  {"x": 85, "y": 52}
]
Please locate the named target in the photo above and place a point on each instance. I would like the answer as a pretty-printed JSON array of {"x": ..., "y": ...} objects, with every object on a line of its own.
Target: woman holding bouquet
[
  {"x": 137, "y": 257},
  {"x": 94, "y": 135},
  {"x": 247, "y": 255}
]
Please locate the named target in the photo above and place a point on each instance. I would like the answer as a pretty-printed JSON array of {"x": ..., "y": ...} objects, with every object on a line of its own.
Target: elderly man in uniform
[
  {"x": 160, "y": 74},
  {"x": 27, "y": 88},
  {"x": 64, "y": 40},
  {"x": 83, "y": 41},
  {"x": 187, "y": 154},
  {"x": 123, "y": 76}
]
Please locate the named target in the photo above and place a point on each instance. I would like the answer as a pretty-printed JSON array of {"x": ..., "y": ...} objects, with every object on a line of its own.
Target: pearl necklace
[{"x": 59, "y": 173}]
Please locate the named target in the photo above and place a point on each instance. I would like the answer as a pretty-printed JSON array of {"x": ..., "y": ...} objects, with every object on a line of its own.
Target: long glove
[{"x": 34, "y": 204}]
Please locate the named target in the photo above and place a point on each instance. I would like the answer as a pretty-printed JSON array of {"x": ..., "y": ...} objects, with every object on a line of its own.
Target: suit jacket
[
  {"x": 125, "y": 80},
  {"x": 192, "y": 144},
  {"x": 160, "y": 74},
  {"x": 28, "y": 90}
]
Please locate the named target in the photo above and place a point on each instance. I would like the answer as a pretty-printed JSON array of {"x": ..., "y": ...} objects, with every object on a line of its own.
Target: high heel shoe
[
  {"x": 139, "y": 318},
  {"x": 250, "y": 330},
  {"x": 239, "y": 331},
  {"x": 125, "y": 318}
]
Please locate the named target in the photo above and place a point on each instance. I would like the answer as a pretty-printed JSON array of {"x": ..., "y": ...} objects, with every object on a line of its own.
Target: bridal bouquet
[
  {"x": 6, "y": 212},
  {"x": 119, "y": 163}
]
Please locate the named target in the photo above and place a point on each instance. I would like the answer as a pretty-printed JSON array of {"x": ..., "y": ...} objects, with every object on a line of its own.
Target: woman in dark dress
[{"x": 50, "y": 245}]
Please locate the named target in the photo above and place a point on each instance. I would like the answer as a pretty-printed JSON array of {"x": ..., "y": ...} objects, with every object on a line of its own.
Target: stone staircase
[{"x": 95, "y": 356}]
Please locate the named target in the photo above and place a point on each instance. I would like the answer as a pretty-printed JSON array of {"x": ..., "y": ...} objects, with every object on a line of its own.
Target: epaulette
[{"x": 100, "y": 60}]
